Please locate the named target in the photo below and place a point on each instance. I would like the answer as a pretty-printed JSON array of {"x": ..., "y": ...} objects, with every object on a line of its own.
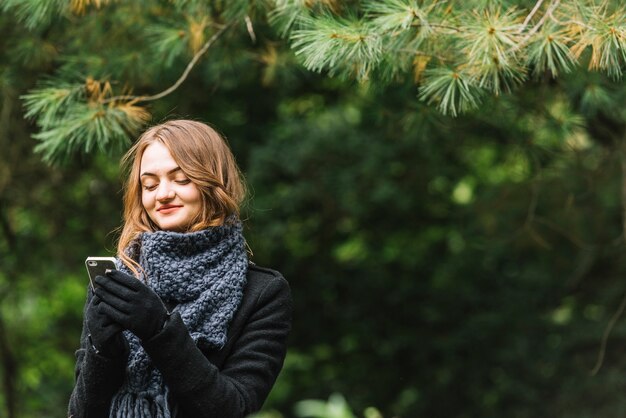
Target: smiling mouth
[{"x": 168, "y": 209}]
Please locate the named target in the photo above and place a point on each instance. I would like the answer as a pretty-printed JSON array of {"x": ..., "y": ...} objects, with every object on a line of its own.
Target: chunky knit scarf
[{"x": 203, "y": 273}]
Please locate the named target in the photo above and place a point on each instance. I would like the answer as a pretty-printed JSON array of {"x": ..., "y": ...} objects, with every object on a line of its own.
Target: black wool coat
[{"x": 204, "y": 382}]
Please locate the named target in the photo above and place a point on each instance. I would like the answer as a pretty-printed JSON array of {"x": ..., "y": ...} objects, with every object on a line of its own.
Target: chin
[
  {"x": 170, "y": 226},
  {"x": 173, "y": 228}
]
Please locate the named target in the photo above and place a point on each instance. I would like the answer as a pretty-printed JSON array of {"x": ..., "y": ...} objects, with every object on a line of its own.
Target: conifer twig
[
  {"x": 531, "y": 14},
  {"x": 549, "y": 12},
  {"x": 250, "y": 29},
  {"x": 605, "y": 336},
  {"x": 180, "y": 80},
  {"x": 535, "y": 28},
  {"x": 436, "y": 25}
]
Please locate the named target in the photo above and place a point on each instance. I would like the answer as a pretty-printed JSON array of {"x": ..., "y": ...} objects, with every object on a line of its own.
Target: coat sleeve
[
  {"x": 242, "y": 384},
  {"x": 97, "y": 379}
]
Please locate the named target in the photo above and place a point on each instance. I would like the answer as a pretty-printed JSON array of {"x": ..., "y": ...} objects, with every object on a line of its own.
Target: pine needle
[
  {"x": 549, "y": 52},
  {"x": 35, "y": 13},
  {"x": 488, "y": 40},
  {"x": 333, "y": 44},
  {"x": 603, "y": 32},
  {"x": 451, "y": 90}
]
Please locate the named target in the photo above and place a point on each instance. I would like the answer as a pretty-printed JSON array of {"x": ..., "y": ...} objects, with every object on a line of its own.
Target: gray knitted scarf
[{"x": 203, "y": 273}]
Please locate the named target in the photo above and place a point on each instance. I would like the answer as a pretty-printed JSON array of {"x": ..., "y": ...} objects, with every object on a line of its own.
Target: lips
[{"x": 168, "y": 208}]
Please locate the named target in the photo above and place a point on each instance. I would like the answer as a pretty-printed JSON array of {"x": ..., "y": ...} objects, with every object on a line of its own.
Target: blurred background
[{"x": 455, "y": 255}]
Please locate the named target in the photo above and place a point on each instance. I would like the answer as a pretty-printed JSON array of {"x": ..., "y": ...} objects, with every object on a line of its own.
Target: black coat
[{"x": 204, "y": 382}]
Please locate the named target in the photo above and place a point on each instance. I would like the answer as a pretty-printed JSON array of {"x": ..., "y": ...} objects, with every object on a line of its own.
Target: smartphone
[{"x": 97, "y": 266}]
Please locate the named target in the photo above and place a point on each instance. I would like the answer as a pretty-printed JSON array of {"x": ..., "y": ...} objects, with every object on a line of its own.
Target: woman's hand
[
  {"x": 131, "y": 304},
  {"x": 104, "y": 335}
]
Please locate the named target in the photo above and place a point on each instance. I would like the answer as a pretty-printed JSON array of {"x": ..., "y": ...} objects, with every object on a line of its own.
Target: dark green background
[{"x": 440, "y": 267}]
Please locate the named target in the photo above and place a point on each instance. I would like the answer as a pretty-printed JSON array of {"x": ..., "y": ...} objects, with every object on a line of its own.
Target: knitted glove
[
  {"x": 105, "y": 336},
  {"x": 131, "y": 304}
]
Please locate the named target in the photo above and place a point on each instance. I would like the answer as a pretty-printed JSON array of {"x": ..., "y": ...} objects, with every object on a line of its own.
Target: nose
[{"x": 165, "y": 191}]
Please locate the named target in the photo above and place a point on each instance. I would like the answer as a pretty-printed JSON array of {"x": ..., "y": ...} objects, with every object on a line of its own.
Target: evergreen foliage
[
  {"x": 440, "y": 266},
  {"x": 456, "y": 52}
]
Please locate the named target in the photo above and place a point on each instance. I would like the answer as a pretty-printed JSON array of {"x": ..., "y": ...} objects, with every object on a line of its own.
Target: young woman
[{"x": 186, "y": 326}]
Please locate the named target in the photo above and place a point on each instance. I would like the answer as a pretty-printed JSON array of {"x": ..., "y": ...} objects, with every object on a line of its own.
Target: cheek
[
  {"x": 193, "y": 197},
  {"x": 189, "y": 193},
  {"x": 146, "y": 201}
]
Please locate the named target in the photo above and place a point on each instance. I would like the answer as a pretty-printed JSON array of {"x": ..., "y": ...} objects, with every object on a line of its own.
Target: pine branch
[
  {"x": 286, "y": 14},
  {"x": 397, "y": 14},
  {"x": 451, "y": 90},
  {"x": 549, "y": 52},
  {"x": 553, "y": 5},
  {"x": 488, "y": 42},
  {"x": 180, "y": 80},
  {"x": 84, "y": 127},
  {"x": 47, "y": 103},
  {"x": 36, "y": 13},
  {"x": 334, "y": 44},
  {"x": 71, "y": 119},
  {"x": 79, "y": 7},
  {"x": 605, "y": 336},
  {"x": 166, "y": 41},
  {"x": 82, "y": 117},
  {"x": 531, "y": 14},
  {"x": 605, "y": 34}
]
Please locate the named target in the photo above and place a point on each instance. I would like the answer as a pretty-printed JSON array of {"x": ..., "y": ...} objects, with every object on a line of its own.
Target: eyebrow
[{"x": 173, "y": 170}]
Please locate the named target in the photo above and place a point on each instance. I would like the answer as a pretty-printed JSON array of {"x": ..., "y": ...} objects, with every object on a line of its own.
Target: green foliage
[
  {"x": 493, "y": 45},
  {"x": 602, "y": 28},
  {"x": 69, "y": 123},
  {"x": 165, "y": 40},
  {"x": 490, "y": 39},
  {"x": 456, "y": 54},
  {"x": 341, "y": 45},
  {"x": 37, "y": 12},
  {"x": 550, "y": 54},
  {"x": 440, "y": 266},
  {"x": 336, "y": 407},
  {"x": 452, "y": 90},
  {"x": 397, "y": 14}
]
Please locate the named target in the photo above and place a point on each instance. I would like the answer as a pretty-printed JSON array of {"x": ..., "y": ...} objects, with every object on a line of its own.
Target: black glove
[
  {"x": 131, "y": 304},
  {"x": 105, "y": 336}
]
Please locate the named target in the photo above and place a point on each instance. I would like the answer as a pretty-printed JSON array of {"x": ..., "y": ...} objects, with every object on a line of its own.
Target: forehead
[{"x": 155, "y": 158}]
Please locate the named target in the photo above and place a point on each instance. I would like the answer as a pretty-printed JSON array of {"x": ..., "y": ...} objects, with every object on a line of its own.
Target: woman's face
[{"x": 171, "y": 200}]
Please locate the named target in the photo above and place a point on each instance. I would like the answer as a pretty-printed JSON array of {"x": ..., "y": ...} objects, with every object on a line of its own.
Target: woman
[{"x": 186, "y": 326}]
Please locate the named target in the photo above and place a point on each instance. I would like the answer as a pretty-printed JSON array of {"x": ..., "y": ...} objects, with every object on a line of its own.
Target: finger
[
  {"x": 112, "y": 286},
  {"x": 96, "y": 299},
  {"x": 113, "y": 300},
  {"x": 104, "y": 321},
  {"x": 111, "y": 329},
  {"x": 116, "y": 316},
  {"x": 107, "y": 330},
  {"x": 124, "y": 279}
]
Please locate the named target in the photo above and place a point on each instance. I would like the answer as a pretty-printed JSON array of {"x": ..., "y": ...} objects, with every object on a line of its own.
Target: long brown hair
[{"x": 204, "y": 157}]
